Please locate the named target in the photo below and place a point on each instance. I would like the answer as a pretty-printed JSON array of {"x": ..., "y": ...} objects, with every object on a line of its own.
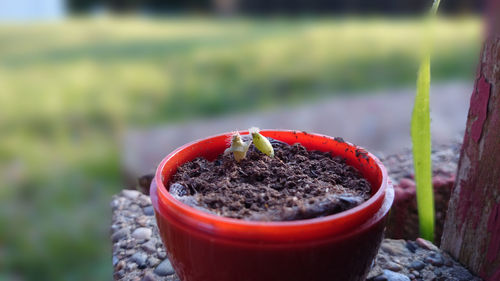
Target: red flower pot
[{"x": 206, "y": 247}]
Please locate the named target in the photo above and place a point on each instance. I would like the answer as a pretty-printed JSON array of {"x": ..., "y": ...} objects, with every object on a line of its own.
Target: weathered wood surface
[{"x": 472, "y": 227}]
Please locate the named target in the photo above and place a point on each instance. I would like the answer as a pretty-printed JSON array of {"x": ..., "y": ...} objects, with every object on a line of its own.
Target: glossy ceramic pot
[{"x": 207, "y": 247}]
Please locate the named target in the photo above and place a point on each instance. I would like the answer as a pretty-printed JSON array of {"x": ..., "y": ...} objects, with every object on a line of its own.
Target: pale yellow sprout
[
  {"x": 238, "y": 147},
  {"x": 261, "y": 142}
]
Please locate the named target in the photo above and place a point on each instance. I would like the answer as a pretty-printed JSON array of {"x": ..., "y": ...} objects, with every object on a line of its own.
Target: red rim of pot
[{"x": 276, "y": 231}]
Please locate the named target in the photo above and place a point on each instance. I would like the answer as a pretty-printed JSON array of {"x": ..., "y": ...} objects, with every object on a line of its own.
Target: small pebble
[
  {"x": 164, "y": 268},
  {"x": 118, "y": 275},
  {"x": 387, "y": 248},
  {"x": 418, "y": 265},
  {"x": 461, "y": 274},
  {"x": 140, "y": 259},
  {"x": 426, "y": 244},
  {"x": 142, "y": 220},
  {"x": 115, "y": 260},
  {"x": 380, "y": 278},
  {"x": 130, "y": 194},
  {"x": 135, "y": 209},
  {"x": 394, "y": 276},
  {"x": 142, "y": 233},
  {"x": 448, "y": 262},
  {"x": 141, "y": 241},
  {"x": 435, "y": 259},
  {"x": 118, "y": 235},
  {"x": 129, "y": 244},
  {"x": 153, "y": 261},
  {"x": 149, "y": 277},
  {"x": 118, "y": 203},
  {"x": 131, "y": 266},
  {"x": 114, "y": 228},
  {"x": 144, "y": 201},
  {"x": 149, "y": 247},
  {"x": 411, "y": 246},
  {"x": 148, "y": 211},
  {"x": 393, "y": 266},
  {"x": 437, "y": 272},
  {"x": 120, "y": 265},
  {"x": 428, "y": 275},
  {"x": 162, "y": 254}
]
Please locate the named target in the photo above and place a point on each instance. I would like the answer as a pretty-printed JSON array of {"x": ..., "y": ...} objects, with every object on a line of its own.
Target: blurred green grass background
[{"x": 69, "y": 90}]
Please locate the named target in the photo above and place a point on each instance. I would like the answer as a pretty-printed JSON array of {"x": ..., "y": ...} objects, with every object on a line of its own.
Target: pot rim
[{"x": 187, "y": 216}]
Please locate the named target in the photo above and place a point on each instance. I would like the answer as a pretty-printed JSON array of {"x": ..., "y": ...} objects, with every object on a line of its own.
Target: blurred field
[{"x": 69, "y": 90}]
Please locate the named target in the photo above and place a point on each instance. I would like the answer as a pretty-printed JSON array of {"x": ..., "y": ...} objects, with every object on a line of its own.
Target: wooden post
[{"x": 472, "y": 228}]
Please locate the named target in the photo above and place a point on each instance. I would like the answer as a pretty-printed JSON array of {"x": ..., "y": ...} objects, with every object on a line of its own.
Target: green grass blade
[{"x": 421, "y": 139}]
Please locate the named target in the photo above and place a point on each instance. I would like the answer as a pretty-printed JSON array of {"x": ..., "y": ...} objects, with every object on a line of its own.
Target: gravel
[
  {"x": 421, "y": 264},
  {"x": 138, "y": 253}
]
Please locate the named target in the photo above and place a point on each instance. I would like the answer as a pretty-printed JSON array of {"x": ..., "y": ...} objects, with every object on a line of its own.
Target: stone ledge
[{"x": 138, "y": 253}]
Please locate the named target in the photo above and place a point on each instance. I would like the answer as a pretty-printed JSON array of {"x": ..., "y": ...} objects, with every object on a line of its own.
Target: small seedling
[
  {"x": 261, "y": 142},
  {"x": 239, "y": 147}
]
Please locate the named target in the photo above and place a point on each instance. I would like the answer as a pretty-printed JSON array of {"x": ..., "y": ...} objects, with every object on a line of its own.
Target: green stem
[{"x": 421, "y": 139}]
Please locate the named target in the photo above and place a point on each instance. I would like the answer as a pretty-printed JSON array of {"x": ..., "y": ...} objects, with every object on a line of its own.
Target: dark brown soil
[{"x": 295, "y": 184}]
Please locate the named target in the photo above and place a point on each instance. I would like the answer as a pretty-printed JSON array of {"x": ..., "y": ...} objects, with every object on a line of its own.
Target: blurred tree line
[{"x": 263, "y": 7}]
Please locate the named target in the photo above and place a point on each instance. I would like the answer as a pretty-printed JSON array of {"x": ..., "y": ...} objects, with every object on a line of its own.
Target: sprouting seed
[
  {"x": 261, "y": 142},
  {"x": 238, "y": 147}
]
